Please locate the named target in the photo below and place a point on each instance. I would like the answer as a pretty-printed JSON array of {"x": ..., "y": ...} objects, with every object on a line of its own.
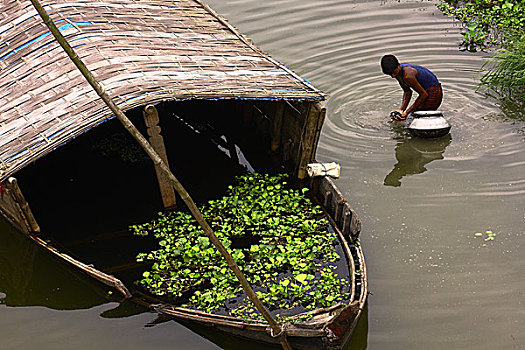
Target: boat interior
[{"x": 87, "y": 193}]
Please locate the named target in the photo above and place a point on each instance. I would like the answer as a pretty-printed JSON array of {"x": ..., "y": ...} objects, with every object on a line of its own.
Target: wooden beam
[
  {"x": 90, "y": 270},
  {"x": 167, "y": 192}
]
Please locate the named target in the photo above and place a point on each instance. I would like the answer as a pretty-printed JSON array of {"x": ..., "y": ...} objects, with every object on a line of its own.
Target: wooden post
[
  {"x": 151, "y": 118},
  {"x": 308, "y": 139},
  {"x": 276, "y": 329},
  {"x": 290, "y": 135},
  {"x": 26, "y": 213},
  {"x": 277, "y": 126},
  {"x": 339, "y": 209},
  {"x": 320, "y": 123}
]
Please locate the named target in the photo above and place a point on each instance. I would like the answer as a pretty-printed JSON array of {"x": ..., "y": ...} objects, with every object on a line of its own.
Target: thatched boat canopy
[{"x": 141, "y": 51}]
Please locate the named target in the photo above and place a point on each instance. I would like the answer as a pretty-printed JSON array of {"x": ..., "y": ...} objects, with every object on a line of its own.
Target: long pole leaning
[{"x": 157, "y": 160}]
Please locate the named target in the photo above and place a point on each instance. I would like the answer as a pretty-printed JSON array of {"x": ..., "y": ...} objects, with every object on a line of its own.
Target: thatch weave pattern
[{"x": 140, "y": 51}]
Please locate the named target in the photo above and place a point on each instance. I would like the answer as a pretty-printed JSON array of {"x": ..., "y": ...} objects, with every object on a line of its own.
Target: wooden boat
[
  {"x": 266, "y": 105},
  {"x": 329, "y": 328}
]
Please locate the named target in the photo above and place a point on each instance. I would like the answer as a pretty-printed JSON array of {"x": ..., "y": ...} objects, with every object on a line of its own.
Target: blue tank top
[{"x": 426, "y": 78}]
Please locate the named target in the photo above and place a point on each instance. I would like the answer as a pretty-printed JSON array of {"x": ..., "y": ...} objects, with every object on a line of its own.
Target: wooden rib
[{"x": 90, "y": 270}]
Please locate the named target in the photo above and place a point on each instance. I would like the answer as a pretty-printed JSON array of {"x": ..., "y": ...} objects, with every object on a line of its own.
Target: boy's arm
[
  {"x": 407, "y": 95},
  {"x": 411, "y": 79}
]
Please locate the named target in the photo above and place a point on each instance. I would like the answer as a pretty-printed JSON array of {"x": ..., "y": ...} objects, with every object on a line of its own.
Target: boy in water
[{"x": 410, "y": 76}]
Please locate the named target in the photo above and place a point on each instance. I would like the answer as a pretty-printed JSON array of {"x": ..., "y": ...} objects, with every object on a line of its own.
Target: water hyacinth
[
  {"x": 499, "y": 23},
  {"x": 275, "y": 233}
]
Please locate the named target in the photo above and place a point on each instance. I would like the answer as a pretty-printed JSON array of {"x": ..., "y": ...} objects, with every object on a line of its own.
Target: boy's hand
[{"x": 398, "y": 115}]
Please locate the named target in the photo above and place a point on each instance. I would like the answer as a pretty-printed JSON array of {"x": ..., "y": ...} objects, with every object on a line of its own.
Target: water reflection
[
  {"x": 413, "y": 154},
  {"x": 25, "y": 278}
]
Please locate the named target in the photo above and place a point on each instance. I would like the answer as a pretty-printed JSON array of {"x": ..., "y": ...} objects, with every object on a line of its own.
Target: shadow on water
[
  {"x": 413, "y": 154},
  {"x": 29, "y": 276}
]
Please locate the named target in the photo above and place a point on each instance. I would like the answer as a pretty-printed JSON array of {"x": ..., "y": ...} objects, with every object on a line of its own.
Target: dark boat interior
[{"x": 86, "y": 193}]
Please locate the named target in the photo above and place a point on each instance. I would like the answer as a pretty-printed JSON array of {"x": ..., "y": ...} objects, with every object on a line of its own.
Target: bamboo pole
[{"x": 275, "y": 327}]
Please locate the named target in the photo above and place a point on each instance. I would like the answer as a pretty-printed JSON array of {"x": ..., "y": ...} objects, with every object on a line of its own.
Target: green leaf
[
  {"x": 472, "y": 26},
  {"x": 285, "y": 282},
  {"x": 301, "y": 278}
]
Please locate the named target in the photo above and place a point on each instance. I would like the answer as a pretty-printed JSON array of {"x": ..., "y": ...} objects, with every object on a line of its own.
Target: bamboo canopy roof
[{"x": 141, "y": 52}]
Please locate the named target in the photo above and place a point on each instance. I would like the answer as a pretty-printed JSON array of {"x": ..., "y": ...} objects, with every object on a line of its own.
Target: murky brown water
[{"x": 435, "y": 284}]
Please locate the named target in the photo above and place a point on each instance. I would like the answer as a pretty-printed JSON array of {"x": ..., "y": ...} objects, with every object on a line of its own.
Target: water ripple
[{"x": 338, "y": 45}]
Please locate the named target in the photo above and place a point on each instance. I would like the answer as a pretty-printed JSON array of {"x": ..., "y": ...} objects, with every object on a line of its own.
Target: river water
[{"x": 435, "y": 284}]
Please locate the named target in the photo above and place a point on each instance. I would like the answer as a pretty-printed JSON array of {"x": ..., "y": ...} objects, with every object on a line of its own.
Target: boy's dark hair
[{"x": 389, "y": 63}]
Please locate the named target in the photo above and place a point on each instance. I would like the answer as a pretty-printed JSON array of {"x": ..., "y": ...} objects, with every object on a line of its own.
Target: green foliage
[
  {"x": 121, "y": 145},
  {"x": 490, "y": 22},
  {"x": 487, "y": 22},
  {"x": 490, "y": 235},
  {"x": 272, "y": 231},
  {"x": 505, "y": 71}
]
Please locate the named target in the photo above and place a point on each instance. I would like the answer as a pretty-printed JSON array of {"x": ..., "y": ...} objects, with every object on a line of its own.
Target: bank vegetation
[{"x": 498, "y": 24}]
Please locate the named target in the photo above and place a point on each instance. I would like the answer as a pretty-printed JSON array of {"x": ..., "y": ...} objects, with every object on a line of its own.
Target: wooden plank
[
  {"x": 338, "y": 216},
  {"x": 347, "y": 219},
  {"x": 355, "y": 226},
  {"x": 330, "y": 197},
  {"x": 90, "y": 270},
  {"x": 11, "y": 210}
]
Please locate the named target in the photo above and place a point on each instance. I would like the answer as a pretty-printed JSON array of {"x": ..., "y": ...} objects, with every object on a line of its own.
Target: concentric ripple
[{"x": 337, "y": 45}]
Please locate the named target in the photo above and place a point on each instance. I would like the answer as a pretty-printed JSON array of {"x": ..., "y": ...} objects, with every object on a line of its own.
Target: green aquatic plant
[
  {"x": 121, "y": 145},
  {"x": 495, "y": 23},
  {"x": 504, "y": 73},
  {"x": 486, "y": 22},
  {"x": 490, "y": 235},
  {"x": 274, "y": 232}
]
